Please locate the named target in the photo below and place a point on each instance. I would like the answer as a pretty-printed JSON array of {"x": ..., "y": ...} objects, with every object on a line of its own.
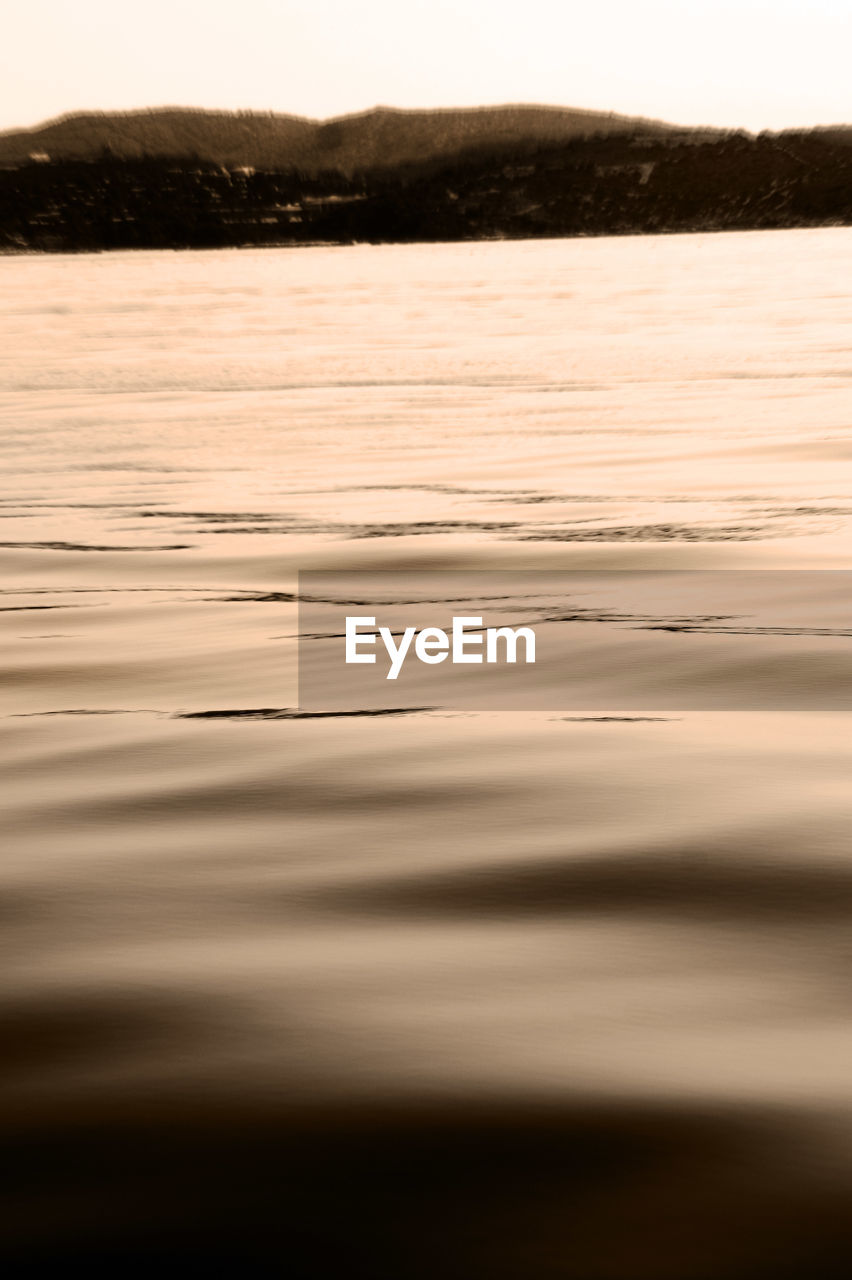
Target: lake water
[{"x": 505, "y": 995}]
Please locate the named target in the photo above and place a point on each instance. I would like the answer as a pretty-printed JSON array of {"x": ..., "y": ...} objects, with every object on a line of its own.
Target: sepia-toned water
[{"x": 510, "y": 995}]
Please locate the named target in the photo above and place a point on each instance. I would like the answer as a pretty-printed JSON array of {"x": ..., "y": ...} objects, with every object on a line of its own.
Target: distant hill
[
  {"x": 839, "y": 133},
  {"x": 381, "y": 138},
  {"x": 199, "y": 179}
]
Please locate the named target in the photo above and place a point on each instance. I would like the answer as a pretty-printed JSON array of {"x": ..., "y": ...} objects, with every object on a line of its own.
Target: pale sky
[{"x": 743, "y": 63}]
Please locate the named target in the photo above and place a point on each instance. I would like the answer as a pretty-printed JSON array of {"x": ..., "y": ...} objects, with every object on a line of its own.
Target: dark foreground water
[{"x": 510, "y": 995}]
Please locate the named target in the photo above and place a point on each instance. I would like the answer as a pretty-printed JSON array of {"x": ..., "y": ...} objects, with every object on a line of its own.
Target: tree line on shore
[{"x": 627, "y": 183}]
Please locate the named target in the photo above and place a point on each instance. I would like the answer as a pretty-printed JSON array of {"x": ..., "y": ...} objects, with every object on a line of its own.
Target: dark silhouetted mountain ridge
[
  {"x": 178, "y": 179},
  {"x": 383, "y": 137}
]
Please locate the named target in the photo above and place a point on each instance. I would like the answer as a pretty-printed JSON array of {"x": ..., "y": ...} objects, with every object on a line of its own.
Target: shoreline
[{"x": 42, "y": 251}]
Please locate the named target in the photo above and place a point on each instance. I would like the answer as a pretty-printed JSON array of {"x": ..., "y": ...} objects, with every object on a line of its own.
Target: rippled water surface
[{"x": 508, "y": 995}]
